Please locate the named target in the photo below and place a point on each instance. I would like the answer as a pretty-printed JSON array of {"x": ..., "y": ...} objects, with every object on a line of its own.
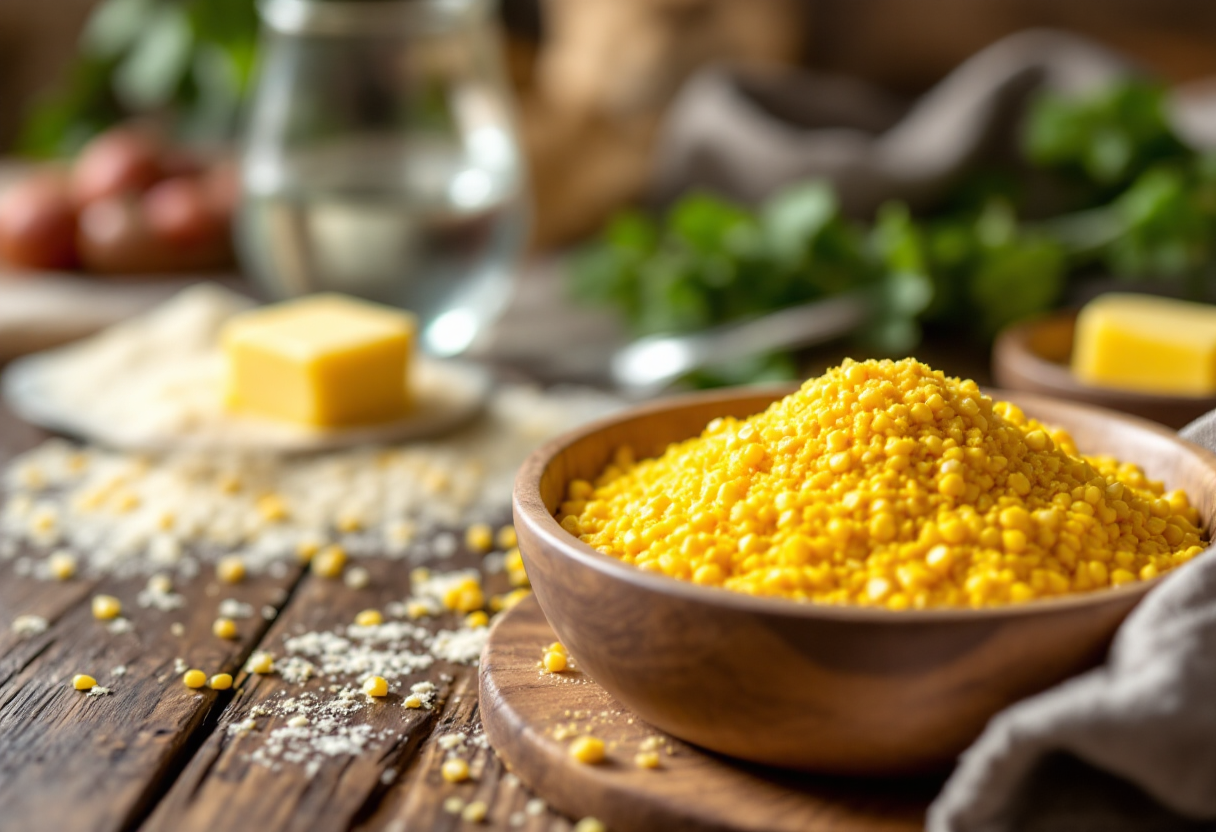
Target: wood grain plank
[
  {"x": 422, "y": 801},
  {"x": 16, "y": 436},
  {"x": 108, "y": 763},
  {"x": 97, "y": 763},
  {"x": 393, "y": 784}
]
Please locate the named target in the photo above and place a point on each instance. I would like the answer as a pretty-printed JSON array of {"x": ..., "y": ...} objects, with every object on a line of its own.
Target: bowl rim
[
  {"x": 1012, "y": 347},
  {"x": 530, "y": 510}
]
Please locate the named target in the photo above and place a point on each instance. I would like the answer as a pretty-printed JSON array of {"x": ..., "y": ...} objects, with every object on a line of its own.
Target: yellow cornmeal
[{"x": 886, "y": 484}]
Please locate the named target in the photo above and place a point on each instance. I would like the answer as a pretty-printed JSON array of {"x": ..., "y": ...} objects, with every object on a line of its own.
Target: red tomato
[
  {"x": 179, "y": 210},
  {"x": 38, "y": 224},
  {"x": 117, "y": 238},
  {"x": 113, "y": 238},
  {"x": 223, "y": 186},
  {"x": 122, "y": 160}
]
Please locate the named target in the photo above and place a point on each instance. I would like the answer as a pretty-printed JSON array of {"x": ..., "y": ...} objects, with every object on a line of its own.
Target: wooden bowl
[
  {"x": 801, "y": 685},
  {"x": 1034, "y": 355}
]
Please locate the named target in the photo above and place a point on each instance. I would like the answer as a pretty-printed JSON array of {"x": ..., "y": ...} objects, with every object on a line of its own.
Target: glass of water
[{"x": 381, "y": 161}]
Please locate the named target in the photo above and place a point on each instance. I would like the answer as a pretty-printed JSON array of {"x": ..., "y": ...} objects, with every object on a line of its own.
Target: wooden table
[{"x": 155, "y": 755}]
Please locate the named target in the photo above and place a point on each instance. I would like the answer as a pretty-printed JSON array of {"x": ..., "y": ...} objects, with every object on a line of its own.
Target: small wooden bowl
[
  {"x": 1033, "y": 356},
  {"x": 814, "y": 687}
]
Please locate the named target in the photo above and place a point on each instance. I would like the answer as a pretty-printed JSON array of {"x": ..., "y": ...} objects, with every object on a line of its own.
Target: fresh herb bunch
[
  {"x": 711, "y": 261},
  {"x": 191, "y": 60},
  {"x": 1143, "y": 206},
  {"x": 1103, "y": 140}
]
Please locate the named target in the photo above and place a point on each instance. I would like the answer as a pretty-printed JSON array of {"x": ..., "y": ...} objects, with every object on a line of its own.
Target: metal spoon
[{"x": 650, "y": 364}]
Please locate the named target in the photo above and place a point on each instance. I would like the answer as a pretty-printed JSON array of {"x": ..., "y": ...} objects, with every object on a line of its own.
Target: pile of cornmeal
[{"x": 886, "y": 483}]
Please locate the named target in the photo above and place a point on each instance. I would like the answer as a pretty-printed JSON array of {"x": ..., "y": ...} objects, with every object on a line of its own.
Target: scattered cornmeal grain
[
  {"x": 476, "y": 619},
  {"x": 106, "y": 607},
  {"x": 306, "y": 550},
  {"x": 369, "y": 618},
  {"x": 455, "y": 770},
  {"x": 557, "y": 647},
  {"x": 475, "y": 812},
  {"x": 464, "y": 596},
  {"x": 514, "y": 565},
  {"x": 375, "y": 686},
  {"x": 647, "y": 759},
  {"x": 413, "y": 701},
  {"x": 62, "y": 565},
  {"x": 194, "y": 679},
  {"x": 272, "y": 508},
  {"x": 357, "y": 578},
  {"x": 554, "y": 661},
  {"x": 329, "y": 562},
  {"x": 83, "y": 681},
  {"x": 506, "y": 602},
  {"x": 260, "y": 663},
  {"x": 588, "y": 750},
  {"x": 225, "y": 628},
  {"x": 506, "y": 538},
  {"x": 230, "y": 569},
  {"x": 349, "y": 523},
  {"x": 160, "y": 584},
  {"x": 220, "y": 681},
  {"x": 479, "y": 537},
  {"x": 885, "y": 483},
  {"x": 590, "y": 825}
]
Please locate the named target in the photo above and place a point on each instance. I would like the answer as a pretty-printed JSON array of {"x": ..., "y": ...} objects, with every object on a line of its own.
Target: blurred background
[{"x": 553, "y": 179}]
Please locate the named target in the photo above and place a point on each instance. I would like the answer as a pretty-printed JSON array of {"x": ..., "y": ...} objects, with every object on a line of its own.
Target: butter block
[
  {"x": 324, "y": 361},
  {"x": 1146, "y": 344}
]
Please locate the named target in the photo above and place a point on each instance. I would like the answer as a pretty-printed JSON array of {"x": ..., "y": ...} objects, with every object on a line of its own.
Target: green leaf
[
  {"x": 632, "y": 231},
  {"x": 217, "y": 82},
  {"x": 794, "y": 218},
  {"x": 1017, "y": 280},
  {"x": 702, "y": 222},
  {"x": 115, "y": 25},
  {"x": 1108, "y": 136},
  {"x": 891, "y": 336},
  {"x": 1109, "y": 156},
  {"x": 154, "y": 68}
]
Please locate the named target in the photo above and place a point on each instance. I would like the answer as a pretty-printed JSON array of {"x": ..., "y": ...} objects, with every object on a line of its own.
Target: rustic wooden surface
[
  {"x": 531, "y": 717},
  {"x": 154, "y": 755}
]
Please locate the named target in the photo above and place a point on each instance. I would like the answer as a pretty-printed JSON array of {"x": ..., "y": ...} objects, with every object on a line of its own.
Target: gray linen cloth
[
  {"x": 1147, "y": 717},
  {"x": 747, "y": 134}
]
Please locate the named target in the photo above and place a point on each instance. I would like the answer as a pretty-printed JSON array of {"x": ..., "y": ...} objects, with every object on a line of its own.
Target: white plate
[
  {"x": 154, "y": 383},
  {"x": 447, "y": 394}
]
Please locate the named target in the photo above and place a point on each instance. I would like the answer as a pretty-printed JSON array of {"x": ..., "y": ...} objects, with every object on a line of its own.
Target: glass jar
[{"x": 381, "y": 161}]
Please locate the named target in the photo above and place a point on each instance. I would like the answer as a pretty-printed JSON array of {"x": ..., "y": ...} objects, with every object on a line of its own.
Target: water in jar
[
  {"x": 380, "y": 161},
  {"x": 422, "y": 227}
]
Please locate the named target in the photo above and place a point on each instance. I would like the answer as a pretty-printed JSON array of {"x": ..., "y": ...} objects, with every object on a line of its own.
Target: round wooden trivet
[{"x": 531, "y": 717}]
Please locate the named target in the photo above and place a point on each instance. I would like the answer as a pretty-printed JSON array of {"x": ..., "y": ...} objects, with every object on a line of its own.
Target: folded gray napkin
[
  {"x": 745, "y": 135},
  {"x": 1130, "y": 745}
]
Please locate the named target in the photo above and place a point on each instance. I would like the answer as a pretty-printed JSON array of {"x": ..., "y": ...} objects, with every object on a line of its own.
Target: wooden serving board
[{"x": 531, "y": 717}]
